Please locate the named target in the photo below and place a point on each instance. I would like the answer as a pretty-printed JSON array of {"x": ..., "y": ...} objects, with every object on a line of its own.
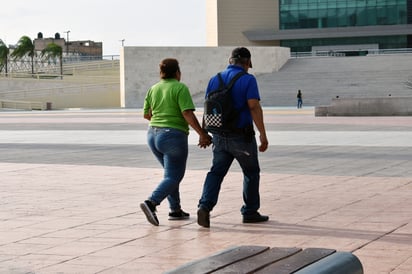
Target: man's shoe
[
  {"x": 255, "y": 218},
  {"x": 150, "y": 211},
  {"x": 203, "y": 217},
  {"x": 178, "y": 215}
]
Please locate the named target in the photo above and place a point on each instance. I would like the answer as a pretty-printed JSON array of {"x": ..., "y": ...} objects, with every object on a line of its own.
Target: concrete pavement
[{"x": 71, "y": 182}]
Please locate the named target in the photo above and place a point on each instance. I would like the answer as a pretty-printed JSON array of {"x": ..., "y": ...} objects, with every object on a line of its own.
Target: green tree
[
  {"x": 4, "y": 55},
  {"x": 25, "y": 46},
  {"x": 54, "y": 51}
]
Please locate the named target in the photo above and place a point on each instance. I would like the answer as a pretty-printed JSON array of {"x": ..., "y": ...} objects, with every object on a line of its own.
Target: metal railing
[
  {"x": 344, "y": 53},
  {"x": 24, "y": 65},
  {"x": 69, "y": 69}
]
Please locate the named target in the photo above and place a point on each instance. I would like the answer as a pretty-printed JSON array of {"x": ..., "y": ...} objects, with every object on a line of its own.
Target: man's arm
[{"x": 257, "y": 116}]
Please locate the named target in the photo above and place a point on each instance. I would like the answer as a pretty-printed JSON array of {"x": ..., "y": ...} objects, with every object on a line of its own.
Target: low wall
[
  {"x": 379, "y": 106},
  {"x": 139, "y": 67},
  {"x": 62, "y": 93}
]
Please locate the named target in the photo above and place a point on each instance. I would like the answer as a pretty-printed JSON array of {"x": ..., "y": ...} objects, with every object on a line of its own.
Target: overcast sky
[{"x": 139, "y": 22}]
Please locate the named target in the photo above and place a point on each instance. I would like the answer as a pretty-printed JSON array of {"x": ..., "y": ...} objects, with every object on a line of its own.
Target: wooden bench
[{"x": 278, "y": 260}]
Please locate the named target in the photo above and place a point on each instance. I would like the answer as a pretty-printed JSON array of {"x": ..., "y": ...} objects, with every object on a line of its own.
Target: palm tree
[
  {"x": 4, "y": 54},
  {"x": 25, "y": 46},
  {"x": 54, "y": 51}
]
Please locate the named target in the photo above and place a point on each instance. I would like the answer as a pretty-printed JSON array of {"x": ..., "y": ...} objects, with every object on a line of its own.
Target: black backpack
[{"x": 219, "y": 113}]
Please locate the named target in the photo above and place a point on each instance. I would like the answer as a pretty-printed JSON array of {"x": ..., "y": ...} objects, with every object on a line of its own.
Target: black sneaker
[
  {"x": 178, "y": 215},
  {"x": 203, "y": 217},
  {"x": 150, "y": 211},
  {"x": 255, "y": 218}
]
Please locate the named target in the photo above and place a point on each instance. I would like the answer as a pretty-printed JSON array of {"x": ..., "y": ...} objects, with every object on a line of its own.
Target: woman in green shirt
[{"x": 169, "y": 107}]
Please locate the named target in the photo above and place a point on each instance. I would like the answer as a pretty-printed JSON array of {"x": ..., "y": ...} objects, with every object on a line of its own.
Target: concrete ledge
[{"x": 378, "y": 106}]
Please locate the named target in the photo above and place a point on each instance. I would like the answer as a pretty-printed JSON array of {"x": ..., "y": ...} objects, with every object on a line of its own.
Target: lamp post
[
  {"x": 67, "y": 42},
  {"x": 122, "y": 42}
]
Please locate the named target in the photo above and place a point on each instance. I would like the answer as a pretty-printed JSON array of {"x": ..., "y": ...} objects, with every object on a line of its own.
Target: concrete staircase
[
  {"x": 324, "y": 78},
  {"x": 319, "y": 78}
]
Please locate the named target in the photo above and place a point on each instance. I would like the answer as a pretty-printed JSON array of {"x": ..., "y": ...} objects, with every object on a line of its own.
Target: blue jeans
[
  {"x": 300, "y": 102},
  {"x": 225, "y": 150},
  {"x": 170, "y": 146}
]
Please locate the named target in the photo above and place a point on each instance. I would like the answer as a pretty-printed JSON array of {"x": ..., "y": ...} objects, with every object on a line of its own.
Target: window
[{"x": 341, "y": 13}]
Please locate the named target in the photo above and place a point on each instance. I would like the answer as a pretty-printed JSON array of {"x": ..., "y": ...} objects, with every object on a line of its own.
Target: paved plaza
[{"x": 71, "y": 182}]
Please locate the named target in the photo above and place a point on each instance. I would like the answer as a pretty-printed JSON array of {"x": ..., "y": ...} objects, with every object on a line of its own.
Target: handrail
[
  {"x": 66, "y": 77},
  {"x": 341, "y": 53},
  {"x": 71, "y": 65}
]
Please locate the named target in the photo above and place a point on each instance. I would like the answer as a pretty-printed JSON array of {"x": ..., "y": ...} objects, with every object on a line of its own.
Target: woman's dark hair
[{"x": 168, "y": 68}]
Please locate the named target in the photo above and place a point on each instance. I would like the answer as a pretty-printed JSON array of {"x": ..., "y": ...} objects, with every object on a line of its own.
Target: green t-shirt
[{"x": 168, "y": 99}]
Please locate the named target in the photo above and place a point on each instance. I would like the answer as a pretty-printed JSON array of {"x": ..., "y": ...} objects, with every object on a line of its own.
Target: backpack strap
[
  {"x": 231, "y": 83},
  {"x": 221, "y": 82},
  {"x": 234, "y": 79}
]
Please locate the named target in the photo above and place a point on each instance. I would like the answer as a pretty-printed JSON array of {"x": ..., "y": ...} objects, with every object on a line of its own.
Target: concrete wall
[
  {"x": 211, "y": 23},
  {"x": 87, "y": 96},
  {"x": 379, "y": 106},
  {"x": 60, "y": 93},
  {"x": 139, "y": 67}
]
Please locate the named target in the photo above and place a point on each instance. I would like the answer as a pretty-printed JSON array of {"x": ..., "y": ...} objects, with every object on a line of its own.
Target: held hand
[
  {"x": 263, "y": 143},
  {"x": 204, "y": 140}
]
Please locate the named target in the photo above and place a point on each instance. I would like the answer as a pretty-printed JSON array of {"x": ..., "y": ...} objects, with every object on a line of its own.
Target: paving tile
[{"x": 68, "y": 207}]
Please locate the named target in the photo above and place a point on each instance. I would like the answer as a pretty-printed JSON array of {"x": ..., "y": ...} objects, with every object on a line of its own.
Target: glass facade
[
  {"x": 316, "y": 14},
  {"x": 298, "y": 14}
]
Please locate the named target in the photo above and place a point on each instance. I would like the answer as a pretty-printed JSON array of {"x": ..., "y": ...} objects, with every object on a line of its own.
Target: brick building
[{"x": 76, "y": 48}]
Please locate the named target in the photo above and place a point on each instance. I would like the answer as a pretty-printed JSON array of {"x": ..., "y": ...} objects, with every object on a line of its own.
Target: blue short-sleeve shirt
[{"x": 245, "y": 88}]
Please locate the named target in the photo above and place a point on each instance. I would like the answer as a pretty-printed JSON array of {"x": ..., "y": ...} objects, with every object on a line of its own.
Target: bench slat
[
  {"x": 297, "y": 261},
  {"x": 336, "y": 263},
  {"x": 219, "y": 260},
  {"x": 259, "y": 261}
]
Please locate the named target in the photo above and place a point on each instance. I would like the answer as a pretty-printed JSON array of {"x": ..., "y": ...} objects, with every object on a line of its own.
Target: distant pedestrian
[
  {"x": 300, "y": 99},
  {"x": 169, "y": 108}
]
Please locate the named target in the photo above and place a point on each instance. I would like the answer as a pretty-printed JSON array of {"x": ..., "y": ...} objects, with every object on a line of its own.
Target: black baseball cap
[{"x": 241, "y": 52}]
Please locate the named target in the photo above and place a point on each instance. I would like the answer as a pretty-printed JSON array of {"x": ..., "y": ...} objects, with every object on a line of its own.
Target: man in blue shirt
[{"x": 239, "y": 144}]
